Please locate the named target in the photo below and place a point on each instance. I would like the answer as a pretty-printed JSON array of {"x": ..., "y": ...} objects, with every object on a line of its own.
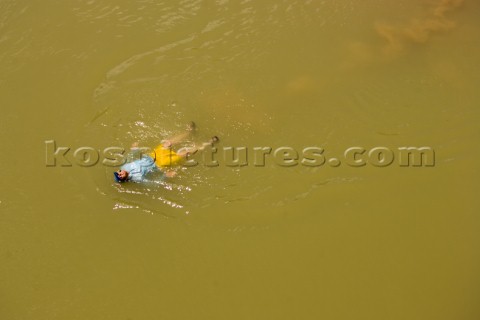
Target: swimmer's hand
[{"x": 170, "y": 174}]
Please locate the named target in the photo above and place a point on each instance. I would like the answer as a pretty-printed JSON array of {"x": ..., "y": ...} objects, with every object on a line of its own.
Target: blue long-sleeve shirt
[{"x": 139, "y": 169}]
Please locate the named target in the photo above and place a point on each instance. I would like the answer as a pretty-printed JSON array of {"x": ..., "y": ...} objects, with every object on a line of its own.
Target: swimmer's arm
[{"x": 170, "y": 173}]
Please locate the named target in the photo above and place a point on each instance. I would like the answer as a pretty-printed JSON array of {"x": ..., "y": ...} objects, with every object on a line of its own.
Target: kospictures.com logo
[{"x": 313, "y": 156}]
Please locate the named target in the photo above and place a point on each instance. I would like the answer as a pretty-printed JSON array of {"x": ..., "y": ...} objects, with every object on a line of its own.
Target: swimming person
[{"x": 161, "y": 157}]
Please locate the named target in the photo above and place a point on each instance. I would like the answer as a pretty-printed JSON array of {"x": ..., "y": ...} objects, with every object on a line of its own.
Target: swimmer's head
[{"x": 121, "y": 175}]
